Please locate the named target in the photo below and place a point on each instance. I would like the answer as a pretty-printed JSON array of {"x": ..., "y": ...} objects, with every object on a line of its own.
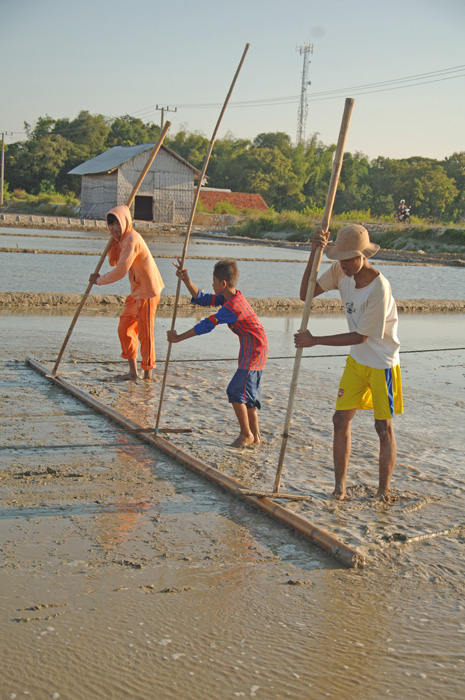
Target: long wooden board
[{"x": 349, "y": 556}]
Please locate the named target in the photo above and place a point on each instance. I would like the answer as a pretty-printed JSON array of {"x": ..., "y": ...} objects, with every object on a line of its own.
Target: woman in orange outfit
[{"x": 129, "y": 253}]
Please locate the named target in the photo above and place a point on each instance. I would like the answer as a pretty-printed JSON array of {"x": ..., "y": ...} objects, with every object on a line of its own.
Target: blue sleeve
[
  {"x": 203, "y": 299},
  {"x": 223, "y": 315}
]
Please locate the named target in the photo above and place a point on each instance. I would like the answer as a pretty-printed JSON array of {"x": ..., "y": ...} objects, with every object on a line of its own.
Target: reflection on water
[
  {"x": 197, "y": 247},
  {"x": 161, "y": 246},
  {"x": 95, "y": 337},
  {"x": 28, "y": 272},
  {"x": 393, "y": 630},
  {"x": 260, "y": 276}
]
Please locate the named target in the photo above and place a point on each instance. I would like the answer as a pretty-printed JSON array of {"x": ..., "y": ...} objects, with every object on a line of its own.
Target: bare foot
[
  {"x": 129, "y": 377},
  {"x": 339, "y": 493},
  {"x": 243, "y": 441},
  {"x": 147, "y": 375},
  {"x": 383, "y": 496}
]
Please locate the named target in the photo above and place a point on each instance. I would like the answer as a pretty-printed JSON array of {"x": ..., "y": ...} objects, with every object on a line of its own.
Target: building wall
[
  {"x": 169, "y": 182},
  {"x": 98, "y": 195}
]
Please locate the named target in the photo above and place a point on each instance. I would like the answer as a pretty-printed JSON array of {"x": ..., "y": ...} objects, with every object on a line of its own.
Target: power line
[
  {"x": 419, "y": 78},
  {"x": 430, "y": 74},
  {"x": 364, "y": 89},
  {"x": 398, "y": 87}
]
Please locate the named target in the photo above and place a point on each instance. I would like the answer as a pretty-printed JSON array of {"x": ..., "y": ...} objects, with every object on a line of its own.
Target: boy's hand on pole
[
  {"x": 94, "y": 277},
  {"x": 181, "y": 272},
  {"x": 304, "y": 339},
  {"x": 172, "y": 336}
]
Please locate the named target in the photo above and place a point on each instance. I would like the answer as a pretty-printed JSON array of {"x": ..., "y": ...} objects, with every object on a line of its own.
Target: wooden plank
[{"x": 349, "y": 556}]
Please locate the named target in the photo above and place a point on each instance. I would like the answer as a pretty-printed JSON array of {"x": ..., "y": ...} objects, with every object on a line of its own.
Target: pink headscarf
[{"x": 124, "y": 217}]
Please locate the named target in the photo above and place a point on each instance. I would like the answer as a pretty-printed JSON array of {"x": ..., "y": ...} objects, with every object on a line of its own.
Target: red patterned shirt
[{"x": 243, "y": 321}]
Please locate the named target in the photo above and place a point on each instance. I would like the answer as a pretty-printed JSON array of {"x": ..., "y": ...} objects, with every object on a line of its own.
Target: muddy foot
[
  {"x": 242, "y": 441},
  {"x": 127, "y": 378}
]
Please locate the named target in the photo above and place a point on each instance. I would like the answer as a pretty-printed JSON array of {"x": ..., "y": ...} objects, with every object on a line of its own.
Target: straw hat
[{"x": 351, "y": 241}]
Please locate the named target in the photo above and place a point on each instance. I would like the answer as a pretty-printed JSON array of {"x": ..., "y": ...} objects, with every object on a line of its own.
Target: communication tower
[{"x": 302, "y": 112}]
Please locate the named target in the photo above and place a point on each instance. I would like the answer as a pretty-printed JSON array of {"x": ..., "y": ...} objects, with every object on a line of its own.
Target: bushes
[
  {"x": 299, "y": 227},
  {"x": 427, "y": 238},
  {"x": 46, "y": 202},
  {"x": 225, "y": 208}
]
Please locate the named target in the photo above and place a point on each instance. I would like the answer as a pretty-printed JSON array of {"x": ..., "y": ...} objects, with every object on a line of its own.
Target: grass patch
[{"x": 299, "y": 227}]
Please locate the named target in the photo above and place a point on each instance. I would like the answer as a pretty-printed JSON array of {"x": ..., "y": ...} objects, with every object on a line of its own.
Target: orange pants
[{"x": 136, "y": 324}]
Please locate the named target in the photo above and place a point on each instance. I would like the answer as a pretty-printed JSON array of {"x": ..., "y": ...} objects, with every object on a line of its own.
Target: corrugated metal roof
[
  {"x": 111, "y": 159},
  {"x": 116, "y": 156}
]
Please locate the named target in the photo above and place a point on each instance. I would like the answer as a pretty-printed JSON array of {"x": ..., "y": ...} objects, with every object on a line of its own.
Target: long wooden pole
[
  {"x": 129, "y": 202},
  {"x": 337, "y": 165},
  {"x": 189, "y": 228},
  {"x": 340, "y": 550}
]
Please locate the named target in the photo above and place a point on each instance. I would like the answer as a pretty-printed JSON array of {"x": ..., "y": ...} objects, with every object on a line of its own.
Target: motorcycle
[{"x": 404, "y": 215}]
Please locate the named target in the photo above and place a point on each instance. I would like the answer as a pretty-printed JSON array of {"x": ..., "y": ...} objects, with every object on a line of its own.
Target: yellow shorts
[{"x": 365, "y": 387}]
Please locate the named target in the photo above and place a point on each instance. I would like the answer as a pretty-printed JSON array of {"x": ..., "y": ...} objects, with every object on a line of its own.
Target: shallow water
[
  {"x": 46, "y": 332},
  {"x": 261, "y": 274},
  {"x": 117, "y": 559},
  {"x": 28, "y": 272},
  {"x": 164, "y": 245},
  {"x": 116, "y": 555}
]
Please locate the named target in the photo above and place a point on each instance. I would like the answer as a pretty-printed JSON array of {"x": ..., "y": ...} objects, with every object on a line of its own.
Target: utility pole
[
  {"x": 163, "y": 110},
  {"x": 302, "y": 113},
  {"x": 2, "y": 167}
]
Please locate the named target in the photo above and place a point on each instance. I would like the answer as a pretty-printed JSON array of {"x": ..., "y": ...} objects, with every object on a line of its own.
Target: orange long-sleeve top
[{"x": 131, "y": 256}]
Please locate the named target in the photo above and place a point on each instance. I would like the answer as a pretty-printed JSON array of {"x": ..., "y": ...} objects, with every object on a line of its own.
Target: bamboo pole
[
  {"x": 402, "y": 537},
  {"x": 337, "y": 165},
  {"x": 343, "y": 552},
  {"x": 129, "y": 202},
  {"x": 189, "y": 228}
]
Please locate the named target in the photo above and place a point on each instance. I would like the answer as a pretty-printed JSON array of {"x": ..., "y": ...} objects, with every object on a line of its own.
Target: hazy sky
[{"x": 114, "y": 58}]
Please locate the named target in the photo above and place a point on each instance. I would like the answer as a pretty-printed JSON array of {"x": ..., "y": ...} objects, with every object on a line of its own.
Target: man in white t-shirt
[{"x": 371, "y": 378}]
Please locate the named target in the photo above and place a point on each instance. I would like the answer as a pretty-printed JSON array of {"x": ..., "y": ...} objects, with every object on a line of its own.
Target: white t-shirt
[{"x": 370, "y": 311}]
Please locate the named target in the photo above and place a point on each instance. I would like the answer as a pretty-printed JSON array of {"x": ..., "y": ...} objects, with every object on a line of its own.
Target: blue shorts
[{"x": 244, "y": 387}]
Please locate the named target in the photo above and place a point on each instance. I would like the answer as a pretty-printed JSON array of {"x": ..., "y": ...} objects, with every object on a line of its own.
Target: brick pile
[{"x": 240, "y": 200}]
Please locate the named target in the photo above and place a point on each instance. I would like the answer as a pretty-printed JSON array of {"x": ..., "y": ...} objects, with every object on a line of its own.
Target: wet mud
[
  {"x": 125, "y": 575},
  {"x": 117, "y": 555},
  {"x": 38, "y": 301}
]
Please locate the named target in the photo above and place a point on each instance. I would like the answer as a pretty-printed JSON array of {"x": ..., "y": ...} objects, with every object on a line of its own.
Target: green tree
[
  {"x": 130, "y": 131},
  {"x": 268, "y": 172},
  {"x": 287, "y": 176},
  {"x": 454, "y": 167},
  {"x": 319, "y": 159},
  {"x": 224, "y": 169},
  {"x": 389, "y": 180},
  {"x": 89, "y": 130},
  {"x": 40, "y": 158},
  {"x": 274, "y": 139},
  {"x": 432, "y": 191},
  {"x": 354, "y": 189},
  {"x": 192, "y": 147}
]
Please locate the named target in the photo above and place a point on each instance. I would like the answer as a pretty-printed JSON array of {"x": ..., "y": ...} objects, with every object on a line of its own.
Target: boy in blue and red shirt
[{"x": 244, "y": 388}]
